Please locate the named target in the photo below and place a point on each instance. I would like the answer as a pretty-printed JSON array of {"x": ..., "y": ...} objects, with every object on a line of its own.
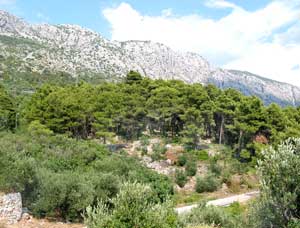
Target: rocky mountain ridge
[{"x": 76, "y": 50}]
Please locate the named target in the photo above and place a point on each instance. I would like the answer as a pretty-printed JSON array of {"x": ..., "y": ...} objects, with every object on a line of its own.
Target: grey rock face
[
  {"x": 11, "y": 208},
  {"x": 76, "y": 50}
]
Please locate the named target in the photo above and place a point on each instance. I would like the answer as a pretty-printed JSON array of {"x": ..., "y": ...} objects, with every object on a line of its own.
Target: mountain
[{"x": 83, "y": 53}]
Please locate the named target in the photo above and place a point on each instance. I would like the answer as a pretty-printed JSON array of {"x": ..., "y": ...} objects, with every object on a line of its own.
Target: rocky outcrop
[
  {"x": 79, "y": 51},
  {"x": 10, "y": 208}
]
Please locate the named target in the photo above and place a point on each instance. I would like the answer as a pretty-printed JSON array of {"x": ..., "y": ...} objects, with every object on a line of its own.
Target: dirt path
[
  {"x": 221, "y": 202},
  {"x": 42, "y": 223}
]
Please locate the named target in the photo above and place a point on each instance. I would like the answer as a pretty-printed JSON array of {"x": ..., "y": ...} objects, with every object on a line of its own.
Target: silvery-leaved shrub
[
  {"x": 279, "y": 170},
  {"x": 134, "y": 206}
]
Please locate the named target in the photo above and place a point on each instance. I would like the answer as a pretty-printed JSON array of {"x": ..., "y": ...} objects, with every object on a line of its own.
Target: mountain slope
[{"x": 82, "y": 52}]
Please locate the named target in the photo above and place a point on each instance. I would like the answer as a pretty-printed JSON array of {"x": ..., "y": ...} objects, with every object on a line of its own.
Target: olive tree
[{"x": 279, "y": 170}]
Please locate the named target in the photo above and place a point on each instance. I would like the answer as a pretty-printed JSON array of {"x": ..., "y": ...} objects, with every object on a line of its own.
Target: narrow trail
[{"x": 221, "y": 202}]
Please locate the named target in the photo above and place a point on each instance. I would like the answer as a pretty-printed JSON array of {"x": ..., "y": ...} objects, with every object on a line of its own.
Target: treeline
[{"x": 172, "y": 108}]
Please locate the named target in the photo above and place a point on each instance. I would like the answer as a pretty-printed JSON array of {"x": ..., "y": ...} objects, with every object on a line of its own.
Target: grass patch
[{"x": 187, "y": 198}]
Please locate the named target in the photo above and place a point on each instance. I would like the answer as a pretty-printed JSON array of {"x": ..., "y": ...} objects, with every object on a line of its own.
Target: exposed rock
[
  {"x": 11, "y": 208},
  {"x": 26, "y": 216},
  {"x": 172, "y": 157},
  {"x": 73, "y": 49},
  {"x": 162, "y": 167}
]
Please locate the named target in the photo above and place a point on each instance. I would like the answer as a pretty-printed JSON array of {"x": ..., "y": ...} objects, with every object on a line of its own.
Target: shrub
[
  {"x": 156, "y": 156},
  {"x": 158, "y": 152},
  {"x": 295, "y": 223},
  {"x": 278, "y": 205},
  {"x": 159, "y": 148},
  {"x": 132, "y": 207},
  {"x": 209, "y": 215},
  {"x": 180, "y": 178},
  {"x": 144, "y": 150},
  {"x": 235, "y": 209},
  {"x": 209, "y": 183},
  {"x": 191, "y": 168},
  {"x": 202, "y": 155},
  {"x": 145, "y": 141},
  {"x": 67, "y": 194},
  {"x": 182, "y": 160},
  {"x": 214, "y": 167}
]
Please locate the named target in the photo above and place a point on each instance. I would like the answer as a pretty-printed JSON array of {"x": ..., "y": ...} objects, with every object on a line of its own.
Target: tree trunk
[
  {"x": 221, "y": 130},
  {"x": 240, "y": 140}
]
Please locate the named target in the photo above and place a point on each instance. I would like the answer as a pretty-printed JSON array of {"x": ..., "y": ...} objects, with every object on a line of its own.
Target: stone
[
  {"x": 10, "y": 208},
  {"x": 26, "y": 216}
]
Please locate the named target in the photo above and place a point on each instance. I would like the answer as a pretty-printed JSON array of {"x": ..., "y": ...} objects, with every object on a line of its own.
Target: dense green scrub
[{"x": 60, "y": 176}]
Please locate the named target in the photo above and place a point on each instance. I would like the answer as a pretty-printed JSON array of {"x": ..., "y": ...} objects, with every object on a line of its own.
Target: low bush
[
  {"x": 202, "y": 155},
  {"x": 158, "y": 152},
  {"x": 160, "y": 149},
  {"x": 209, "y": 215},
  {"x": 214, "y": 167},
  {"x": 182, "y": 159},
  {"x": 209, "y": 183},
  {"x": 191, "y": 168},
  {"x": 132, "y": 207},
  {"x": 145, "y": 141},
  {"x": 180, "y": 178}
]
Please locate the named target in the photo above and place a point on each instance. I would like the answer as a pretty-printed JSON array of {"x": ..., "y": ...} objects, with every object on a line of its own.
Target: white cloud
[
  {"x": 264, "y": 41},
  {"x": 167, "y": 12},
  {"x": 220, "y": 4},
  {"x": 7, "y": 2}
]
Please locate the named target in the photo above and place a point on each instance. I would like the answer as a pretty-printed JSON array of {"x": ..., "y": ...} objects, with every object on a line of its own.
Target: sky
[{"x": 259, "y": 36}]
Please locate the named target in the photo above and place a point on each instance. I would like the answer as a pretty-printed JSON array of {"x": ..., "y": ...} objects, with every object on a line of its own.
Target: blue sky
[
  {"x": 260, "y": 36},
  {"x": 88, "y": 13}
]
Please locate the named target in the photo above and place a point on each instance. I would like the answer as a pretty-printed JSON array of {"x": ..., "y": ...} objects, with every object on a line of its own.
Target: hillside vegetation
[{"x": 56, "y": 148}]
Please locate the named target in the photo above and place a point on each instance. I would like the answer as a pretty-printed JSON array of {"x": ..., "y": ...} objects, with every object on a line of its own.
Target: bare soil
[{"x": 42, "y": 223}]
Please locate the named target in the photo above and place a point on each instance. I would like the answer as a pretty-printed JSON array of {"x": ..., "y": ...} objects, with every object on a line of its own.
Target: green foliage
[
  {"x": 235, "y": 209},
  {"x": 182, "y": 159},
  {"x": 133, "y": 77},
  {"x": 36, "y": 129},
  {"x": 191, "y": 168},
  {"x": 180, "y": 178},
  {"x": 169, "y": 109},
  {"x": 209, "y": 215},
  {"x": 158, "y": 152},
  {"x": 66, "y": 193},
  {"x": 132, "y": 207},
  {"x": 201, "y": 155},
  {"x": 191, "y": 136},
  {"x": 209, "y": 183},
  {"x": 60, "y": 176},
  {"x": 278, "y": 205},
  {"x": 295, "y": 223},
  {"x": 214, "y": 167},
  {"x": 7, "y": 111},
  {"x": 145, "y": 141}
]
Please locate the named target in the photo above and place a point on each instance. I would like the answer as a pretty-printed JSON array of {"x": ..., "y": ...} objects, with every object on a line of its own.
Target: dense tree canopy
[
  {"x": 167, "y": 108},
  {"x": 7, "y": 111}
]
